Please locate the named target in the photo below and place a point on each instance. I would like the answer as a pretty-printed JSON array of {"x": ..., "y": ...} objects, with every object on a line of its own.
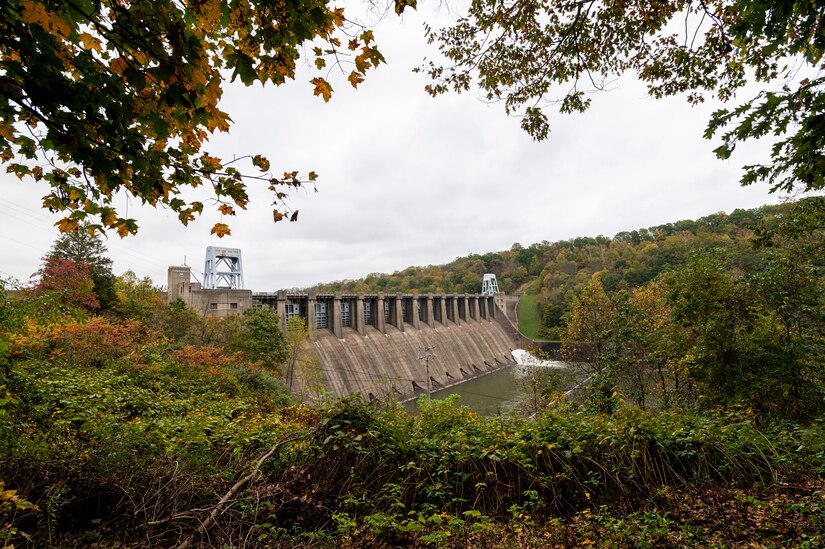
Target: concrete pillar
[
  {"x": 335, "y": 315},
  {"x": 442, "y": 305},
  {"x": 399, "y": 312},
  {"x": 379, "y": 314},
  {"x": 482, "y": 306},
  {"x": 428, "y": 310},
  {"x": 280, "y": 308},
  {"x": 456, "y": 317},
  {"x": 491, "y": 308},
  {"x": 474, "y": 302},
  {"x": 359, "y": 315},
  {"x": 310, "y": 318},
  {"x": 414, "y": 304}
]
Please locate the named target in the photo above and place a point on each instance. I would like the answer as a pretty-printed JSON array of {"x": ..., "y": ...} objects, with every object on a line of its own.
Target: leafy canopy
[
  {"x": 530, "y": 54},
  {"x": 99, "y": 97}
]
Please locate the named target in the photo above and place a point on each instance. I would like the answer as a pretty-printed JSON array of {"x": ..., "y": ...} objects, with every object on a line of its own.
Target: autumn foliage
[
  {"x": 91, "y": 342},
  {"x": 123, "y": 113},
  {"x": 70, "y": 280}
]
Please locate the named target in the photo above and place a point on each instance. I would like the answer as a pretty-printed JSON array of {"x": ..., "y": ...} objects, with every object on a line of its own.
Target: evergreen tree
[{"x": 84, "y": 246}]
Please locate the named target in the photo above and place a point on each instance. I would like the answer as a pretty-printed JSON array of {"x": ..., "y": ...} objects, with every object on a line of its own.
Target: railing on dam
[{"x": 334, "y": 312}]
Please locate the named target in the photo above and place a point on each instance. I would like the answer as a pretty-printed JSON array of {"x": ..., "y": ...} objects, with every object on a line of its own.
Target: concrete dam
[{"x": 379, "y": 345}]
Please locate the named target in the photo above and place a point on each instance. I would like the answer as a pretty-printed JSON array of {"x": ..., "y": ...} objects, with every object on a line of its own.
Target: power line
[{"x": 138, "y": 257}]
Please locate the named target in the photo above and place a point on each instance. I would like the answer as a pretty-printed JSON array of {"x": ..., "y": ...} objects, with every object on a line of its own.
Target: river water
[
  {"x": 489, "y": 395},
  {"x": 502, "y": 390}
]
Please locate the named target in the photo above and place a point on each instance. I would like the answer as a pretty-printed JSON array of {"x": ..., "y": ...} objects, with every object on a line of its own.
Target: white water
[{"x": 523, "y": 358}]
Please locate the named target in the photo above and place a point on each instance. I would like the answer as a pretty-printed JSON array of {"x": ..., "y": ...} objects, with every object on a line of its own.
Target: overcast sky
[{"x": 406, "y": 179}]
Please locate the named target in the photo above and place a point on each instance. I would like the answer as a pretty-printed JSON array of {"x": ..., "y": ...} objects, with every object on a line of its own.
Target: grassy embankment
[{"x": 529, "y": 318}]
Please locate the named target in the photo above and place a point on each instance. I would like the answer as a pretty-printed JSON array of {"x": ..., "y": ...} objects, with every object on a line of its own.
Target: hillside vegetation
[
  {"x": 560, "y": 270},
  {"x": 144, "y": 424}
]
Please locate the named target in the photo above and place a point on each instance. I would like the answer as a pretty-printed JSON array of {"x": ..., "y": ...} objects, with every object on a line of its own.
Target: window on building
[
  {"x": 320, "y": 315},
  {"x": 346, "y": 317},
  {"x": 213, "y": 306},
  {"x": 292, "y": 309},
  {"x": 233, "y": 305}
]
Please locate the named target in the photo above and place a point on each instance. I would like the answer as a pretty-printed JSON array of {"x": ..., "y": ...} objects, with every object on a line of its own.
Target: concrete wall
[{"x": 378, "y": 364}]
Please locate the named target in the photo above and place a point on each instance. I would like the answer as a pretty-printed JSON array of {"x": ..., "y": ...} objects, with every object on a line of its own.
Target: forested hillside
[{"x": 556, "y": 272}]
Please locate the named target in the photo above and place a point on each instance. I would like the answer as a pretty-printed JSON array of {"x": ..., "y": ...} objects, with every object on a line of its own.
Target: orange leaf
[{"x": 355, "y": 78}]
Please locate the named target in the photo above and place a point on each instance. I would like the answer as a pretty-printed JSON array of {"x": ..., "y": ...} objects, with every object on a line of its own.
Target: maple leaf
[
  {"x": 322, "y": 88},
  {"x": 67, "y": 224},
  {"x": 221, "y": 230},
  {"x": 260, "y": 162},
  {"x": 401, "y": 4},
  {"x": 89, "y": 42},
  {"x": 355, "y": 78},
  {"x": 338, "y": 17}
]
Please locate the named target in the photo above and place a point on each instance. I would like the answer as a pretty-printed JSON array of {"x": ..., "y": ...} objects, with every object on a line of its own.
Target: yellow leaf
[
  {"x": 221, "y": 230},
  {"x": 67, "y": 225},
  {"x": 89, "y": 41},
  {"x": 226, "y": 209},
  {"x": 260, "y": 162},
  {"x": 362, "y": 62},
  {"x": 338, "y": 17},
  {"x": 35, "y": 13},
  {"x": 322, "y": 88}
]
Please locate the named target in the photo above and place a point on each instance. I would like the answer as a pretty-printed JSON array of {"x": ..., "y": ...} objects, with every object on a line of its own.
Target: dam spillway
[{"x": 378, "y": 365}]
